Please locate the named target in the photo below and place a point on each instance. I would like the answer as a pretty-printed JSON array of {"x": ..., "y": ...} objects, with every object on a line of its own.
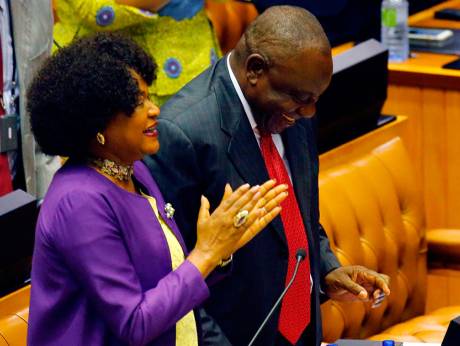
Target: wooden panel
[
  {"x": 430, "y": 97},
  {"x": 425, "y": 70},
  {"x": 429, "y": 13},
  {"x": 442, "y": 289},
  {"x": 434, "y": 156},
  {"x": 433, "y": 142},
  {"x": 408, "y": 101},
  {"x": 453, "y": 157},
  {"x": 437, "y": 291},
  {"x": 433, "y": 123},
  {"x": 438, "y": 23}
]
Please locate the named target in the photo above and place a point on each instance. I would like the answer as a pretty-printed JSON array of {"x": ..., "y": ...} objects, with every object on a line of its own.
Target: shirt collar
[
  {"x": 244, "y": 102},
  {"x": 247, "y": 109}
]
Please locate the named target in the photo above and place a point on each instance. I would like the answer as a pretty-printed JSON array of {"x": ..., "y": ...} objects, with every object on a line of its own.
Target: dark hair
[{"x": 82, "y": 87}]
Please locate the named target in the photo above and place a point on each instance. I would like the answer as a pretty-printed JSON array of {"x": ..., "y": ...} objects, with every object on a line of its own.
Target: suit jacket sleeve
[
  {"x": 328, "y": 261},
  {"x": 91, "y": 244}
]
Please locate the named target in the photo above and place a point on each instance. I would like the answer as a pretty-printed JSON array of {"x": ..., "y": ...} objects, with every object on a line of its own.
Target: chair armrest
[{"x": 444, "y": 246}]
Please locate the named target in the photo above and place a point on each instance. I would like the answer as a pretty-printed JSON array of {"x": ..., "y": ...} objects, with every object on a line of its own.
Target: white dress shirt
[{"x": 247, "y": 109}]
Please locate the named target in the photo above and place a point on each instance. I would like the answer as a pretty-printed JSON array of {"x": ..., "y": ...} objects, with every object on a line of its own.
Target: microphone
[{"x": 300, "y": 255}]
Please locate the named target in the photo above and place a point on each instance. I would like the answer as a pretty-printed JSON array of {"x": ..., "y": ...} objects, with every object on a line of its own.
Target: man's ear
[{"x": 255, "y": 67}]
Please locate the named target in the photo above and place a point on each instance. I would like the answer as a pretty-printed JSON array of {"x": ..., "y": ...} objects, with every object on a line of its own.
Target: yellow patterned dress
[{"x": 182, "y": 47}]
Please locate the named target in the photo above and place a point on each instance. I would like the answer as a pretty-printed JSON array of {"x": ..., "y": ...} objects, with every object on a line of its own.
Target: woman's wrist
[{"x": 204, "y": 262}]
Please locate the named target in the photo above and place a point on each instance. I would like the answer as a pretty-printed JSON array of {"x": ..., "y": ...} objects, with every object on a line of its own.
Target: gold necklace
[{"x": 113, "y": 169}]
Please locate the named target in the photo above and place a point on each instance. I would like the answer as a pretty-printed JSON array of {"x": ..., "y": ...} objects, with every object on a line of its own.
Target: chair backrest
[
  {"x": 14, "y": 314},
  {"x": 230, "y": 20},
  {"x": 372, "y": 212}
]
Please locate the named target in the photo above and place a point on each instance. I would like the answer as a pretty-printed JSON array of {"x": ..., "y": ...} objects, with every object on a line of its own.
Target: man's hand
[{"x": 357, "y": 283}]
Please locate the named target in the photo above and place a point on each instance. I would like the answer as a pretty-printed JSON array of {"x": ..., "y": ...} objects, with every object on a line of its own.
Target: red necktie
[
  {"x": 5, "y": 177},
  {"x": 295, "y": 307}
]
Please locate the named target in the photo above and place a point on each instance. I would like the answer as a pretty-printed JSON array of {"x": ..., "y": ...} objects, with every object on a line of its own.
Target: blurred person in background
[
  {"x": 176, "y": 33},
  {"x": 26, "y": 36}
]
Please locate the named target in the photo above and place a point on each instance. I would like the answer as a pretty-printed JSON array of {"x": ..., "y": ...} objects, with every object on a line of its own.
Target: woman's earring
[{"x": 100, "y": 138}]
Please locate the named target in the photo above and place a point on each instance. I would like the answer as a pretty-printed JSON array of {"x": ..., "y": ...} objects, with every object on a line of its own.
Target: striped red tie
[
  {"x": 5, "y": 177},
  {"x": 295, "y": 307}
]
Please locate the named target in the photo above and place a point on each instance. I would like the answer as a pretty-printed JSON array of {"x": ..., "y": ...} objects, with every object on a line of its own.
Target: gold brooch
[{"x": 169, "y": 210}]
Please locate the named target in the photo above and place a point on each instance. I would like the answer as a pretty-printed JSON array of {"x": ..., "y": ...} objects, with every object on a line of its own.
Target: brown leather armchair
[
  {"x": 14, "y": 313},
  {"x": 371, "y": 208}
]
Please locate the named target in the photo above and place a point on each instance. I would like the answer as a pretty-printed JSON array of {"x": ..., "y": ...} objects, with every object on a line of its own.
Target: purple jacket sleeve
[{"x": 91, "y": 243}]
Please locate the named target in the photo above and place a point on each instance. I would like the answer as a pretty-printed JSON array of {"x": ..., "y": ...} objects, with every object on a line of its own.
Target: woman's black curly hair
[{"x": 82, "y": 87}]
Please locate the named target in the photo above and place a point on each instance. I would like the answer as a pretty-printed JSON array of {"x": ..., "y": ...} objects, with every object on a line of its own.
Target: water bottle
[{"x": 395, "y": 29}]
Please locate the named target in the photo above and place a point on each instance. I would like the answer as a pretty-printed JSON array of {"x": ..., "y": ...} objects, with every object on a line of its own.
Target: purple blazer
[{"x": 101, "y": 270}]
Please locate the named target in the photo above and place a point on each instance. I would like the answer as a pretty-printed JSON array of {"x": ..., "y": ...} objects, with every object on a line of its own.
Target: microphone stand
[{"x": 300, "y": 256}]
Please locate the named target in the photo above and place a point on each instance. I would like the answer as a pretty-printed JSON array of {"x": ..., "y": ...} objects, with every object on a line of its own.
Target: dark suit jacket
[{"x": 206, "y": 141}]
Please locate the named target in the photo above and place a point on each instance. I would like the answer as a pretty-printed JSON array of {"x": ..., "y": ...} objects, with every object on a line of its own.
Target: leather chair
[
  {"x": 14, "y": 313},
  {"x": 230, "y": 20},
  {"x": 371, "y": 208}
]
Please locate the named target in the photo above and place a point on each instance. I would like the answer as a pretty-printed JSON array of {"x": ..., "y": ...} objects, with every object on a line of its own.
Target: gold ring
[{"x": 240, "y": 218}]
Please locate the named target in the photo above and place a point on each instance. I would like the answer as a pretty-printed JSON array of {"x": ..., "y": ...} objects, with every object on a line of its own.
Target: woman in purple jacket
[{"x": 109, "y": 265}]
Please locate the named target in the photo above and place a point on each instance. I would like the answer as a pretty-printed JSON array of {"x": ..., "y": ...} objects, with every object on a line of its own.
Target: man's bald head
[
  {"x": 282, "y": 64},
  {"x": 282, "y": 32}
]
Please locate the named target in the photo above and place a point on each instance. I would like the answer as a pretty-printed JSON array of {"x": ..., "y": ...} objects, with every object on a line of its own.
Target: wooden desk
[
  {"x": 426, "y": 18},
  {"x": 430, "y": 97}
]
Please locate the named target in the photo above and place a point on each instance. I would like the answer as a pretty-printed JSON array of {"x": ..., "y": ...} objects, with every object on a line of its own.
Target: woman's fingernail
[{"x": 255, "y": 188}]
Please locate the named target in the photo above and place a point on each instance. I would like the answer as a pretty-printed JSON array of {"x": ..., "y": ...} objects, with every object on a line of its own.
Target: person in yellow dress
[{"x": 176, "y": 33}]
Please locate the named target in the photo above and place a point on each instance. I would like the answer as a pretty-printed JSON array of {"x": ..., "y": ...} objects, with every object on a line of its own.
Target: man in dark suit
[{"x": 246, "y": 119}]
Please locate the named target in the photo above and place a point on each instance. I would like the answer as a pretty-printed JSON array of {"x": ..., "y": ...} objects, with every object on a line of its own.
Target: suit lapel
[
  {"x": 245, "y": 155},
  {"x": 243, "y": 150}
]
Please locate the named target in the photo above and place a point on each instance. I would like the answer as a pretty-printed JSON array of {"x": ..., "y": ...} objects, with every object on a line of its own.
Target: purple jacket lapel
[{"x": 143, "y": 175}]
